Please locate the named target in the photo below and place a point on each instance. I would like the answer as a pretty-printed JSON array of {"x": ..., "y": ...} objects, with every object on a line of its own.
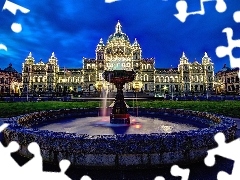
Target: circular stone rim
[{"x": 120, "y": 150}]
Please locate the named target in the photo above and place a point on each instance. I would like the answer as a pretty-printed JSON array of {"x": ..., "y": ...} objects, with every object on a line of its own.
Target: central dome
[{"x": 118, "y": 35}]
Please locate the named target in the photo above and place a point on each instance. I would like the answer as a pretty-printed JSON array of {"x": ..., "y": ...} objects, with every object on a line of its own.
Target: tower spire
[
  {"x": 135, "y": 43},
  {"x": 183, "y": 55},
  {"x": 100, "y": 44},
  {"x": 205, "y": 54},
  {"x": 118, "y": 28}
]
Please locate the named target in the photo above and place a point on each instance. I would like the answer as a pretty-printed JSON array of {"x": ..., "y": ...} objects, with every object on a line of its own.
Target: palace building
[
  {"x": 10, "y": 81},
  {"x": 118, "y": 53},
  {"x": 227, "y": 81}
]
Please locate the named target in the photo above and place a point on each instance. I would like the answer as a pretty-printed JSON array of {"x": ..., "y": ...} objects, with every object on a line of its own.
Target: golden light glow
[
  {"x": 165, "y": 88},
  {"x": 137, "y": 85}
]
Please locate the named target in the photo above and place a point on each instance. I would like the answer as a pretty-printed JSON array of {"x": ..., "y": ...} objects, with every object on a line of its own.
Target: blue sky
[{"x": 72, "y": 30}]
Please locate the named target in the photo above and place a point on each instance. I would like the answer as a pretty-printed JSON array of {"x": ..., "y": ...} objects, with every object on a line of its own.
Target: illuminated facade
[
  {"x": 118, "y": 54},
  {"x": 195, "y": 78},
  {"x": 227, "y": 81},
  {"x": 49, "y": 77},
  {"x": 10, "y": 81}
]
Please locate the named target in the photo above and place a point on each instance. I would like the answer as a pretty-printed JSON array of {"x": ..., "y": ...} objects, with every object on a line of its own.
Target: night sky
[{"x": 72, "y": 30}]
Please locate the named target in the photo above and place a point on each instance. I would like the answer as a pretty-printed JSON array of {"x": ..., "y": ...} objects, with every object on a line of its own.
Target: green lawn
[
  {"x": 9, "y": 109},
  {"x": 228, "y": 108}
]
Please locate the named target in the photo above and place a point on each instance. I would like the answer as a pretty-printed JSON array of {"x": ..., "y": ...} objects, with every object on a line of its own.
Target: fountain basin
[{"x": 120, "y": 150}]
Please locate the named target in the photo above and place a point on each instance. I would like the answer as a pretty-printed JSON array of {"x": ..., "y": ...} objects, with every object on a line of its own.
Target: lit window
[
  {"x": 88, "y": 66},
  {"x": 100, "y": 76}
]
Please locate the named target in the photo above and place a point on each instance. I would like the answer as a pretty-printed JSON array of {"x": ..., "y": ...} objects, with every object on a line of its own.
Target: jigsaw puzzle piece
[
  {"x": 227, "y": 150},
  {"x": 225, "y": 176},
  {"x": 36, "y": 161},
  {"x": 181, "y": 7},
  {"x": 85, "y": 177},
  {"x": 159, "y": 178},
  {"x": 177, "y": 171},
  {"x": 64, "y": 165},
  {"x": 235, "y": 172},
  {"x": 111, "y": 1},
  {"x": 210, "y": 158},
  {"x": 236, "y": 16},
  {"x": 3, "y": 126},
  {"x": 222, "y": 51},
  {"x": 12, "y": 7},
  {"x": 5, "y": 155},
  {"x": 221, "y": 6},
  {"x": 7, "y": 163}
]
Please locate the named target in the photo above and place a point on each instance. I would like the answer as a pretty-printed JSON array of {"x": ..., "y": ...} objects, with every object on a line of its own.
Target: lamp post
[
  {"x": 206, "y": 88},
  {"x": 165, "y": 88},
  {"x": 172, "y": 90},
  {"x": 28, "y": 81},
  {"x": 27, "y": 92}
]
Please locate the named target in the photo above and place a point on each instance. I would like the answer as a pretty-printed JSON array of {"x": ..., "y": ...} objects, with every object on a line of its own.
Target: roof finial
[
  {"x": 53, "y": 54},
  {"x": 205, "y": 54},
  {"x": 135, "y": 43},
  {"x": 30, "y": 54},
  {"x": 183, "y": 54},
  {"x": 118, "y": 28},
  {"x": 101, "y": 41}
]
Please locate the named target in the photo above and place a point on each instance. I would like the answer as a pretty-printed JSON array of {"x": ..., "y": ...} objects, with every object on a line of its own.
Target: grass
[
  {"x": 227, "y": 108},
  {"x": 9, "y": 109}
]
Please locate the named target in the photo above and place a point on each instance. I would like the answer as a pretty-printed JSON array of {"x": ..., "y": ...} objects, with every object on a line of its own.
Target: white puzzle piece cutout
[
  {"x": 226, "y": 150},
  {"x": 182, "y": 7},
  {"x": 222, "y": 51},
  {"x": 177, "y": 171}
]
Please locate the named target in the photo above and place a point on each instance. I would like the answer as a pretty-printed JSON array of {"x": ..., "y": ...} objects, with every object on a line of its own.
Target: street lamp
[
  {"x": 27, "y": 91},
  {"x": 165, "y": 88}
]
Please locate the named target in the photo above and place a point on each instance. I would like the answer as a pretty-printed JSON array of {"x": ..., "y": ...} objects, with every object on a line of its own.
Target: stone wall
[{"x": 120, "y": 150}]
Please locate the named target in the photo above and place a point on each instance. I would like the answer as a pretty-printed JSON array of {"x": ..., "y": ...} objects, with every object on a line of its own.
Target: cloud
[{"x": 72, "y": 30}]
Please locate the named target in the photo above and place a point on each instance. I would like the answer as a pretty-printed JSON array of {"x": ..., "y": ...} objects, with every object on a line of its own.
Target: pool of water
[{"x": 102, "y": 126}]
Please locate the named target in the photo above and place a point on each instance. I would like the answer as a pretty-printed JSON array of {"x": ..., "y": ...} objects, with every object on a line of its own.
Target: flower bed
[{"x": 120, "y": 150}]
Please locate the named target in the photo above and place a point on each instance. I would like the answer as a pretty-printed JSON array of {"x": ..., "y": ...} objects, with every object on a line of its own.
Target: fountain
[
  {"x": 119, "y": 113},
  {"x": 149, "y": 140}
]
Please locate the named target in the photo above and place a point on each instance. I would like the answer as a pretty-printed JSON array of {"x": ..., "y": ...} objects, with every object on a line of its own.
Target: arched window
[
  {"x": 148, "y": 66},
  {"x": 162, "y": 79},
  {"x": 138, "y": 77},
  {"x": 210, "y": 78},
  {"x": 196, "y": 78},
  {"x": 166, "y": 79},
  {"x": 176, "y": 78},
  {"x": 145, "y": 77},
  {"x": 143, "y": 66},
  {"x": 2, "y": 80},
  {"x": 201, "y": 78},
  {"x": 185, "y": 78}
]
